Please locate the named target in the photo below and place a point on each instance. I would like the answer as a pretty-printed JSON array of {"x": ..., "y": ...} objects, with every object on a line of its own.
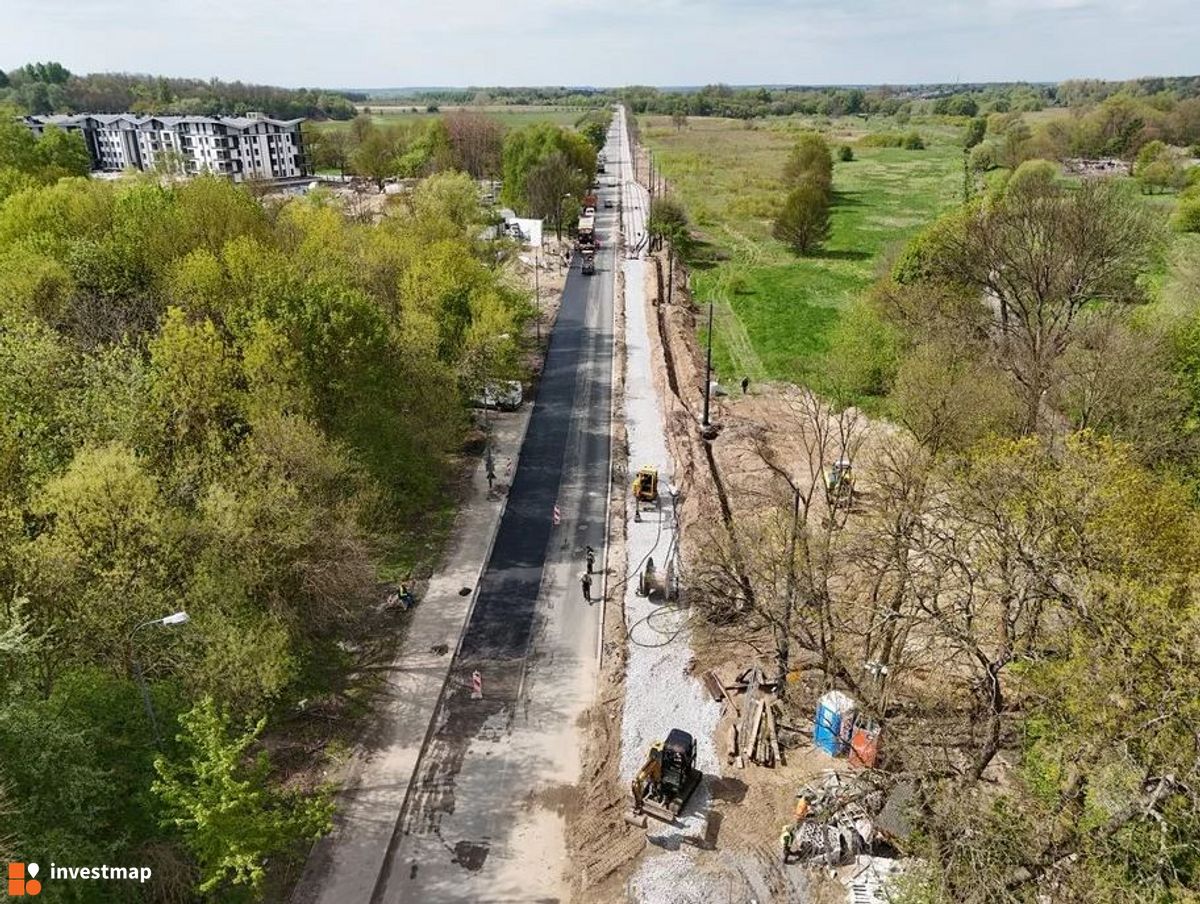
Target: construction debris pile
[{"x": 832, "y": 821}]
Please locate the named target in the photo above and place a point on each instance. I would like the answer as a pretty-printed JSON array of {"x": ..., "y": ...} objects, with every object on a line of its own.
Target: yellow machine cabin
[{"x": 645, "y": 485}]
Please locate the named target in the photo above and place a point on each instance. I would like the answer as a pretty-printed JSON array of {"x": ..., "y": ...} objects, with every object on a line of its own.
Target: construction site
[
  {"x": 713, "y": 641},
  {"x": 710, "y": 773}
]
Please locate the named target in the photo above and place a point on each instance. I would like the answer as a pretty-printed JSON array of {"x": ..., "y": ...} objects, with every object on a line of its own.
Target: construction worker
[
  {"x": 586, "y": 580},
  {"x": 591, "y": 559},
  {"x": 802, "y": 807},
  {"x": 785, "y": 840}
]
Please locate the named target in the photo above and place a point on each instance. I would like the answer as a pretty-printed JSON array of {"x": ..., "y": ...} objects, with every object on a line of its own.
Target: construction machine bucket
[{"x": 638, "y": 820}]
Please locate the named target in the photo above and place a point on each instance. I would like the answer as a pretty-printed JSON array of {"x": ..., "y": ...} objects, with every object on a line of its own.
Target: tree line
[
  {"x": 498, "y": 95},
  {"x": 902, "y": 101},
  {"x": 1119, "y": 127},
  {"x": 40, "y": 88},
  {"x": 238, "y": 411}
]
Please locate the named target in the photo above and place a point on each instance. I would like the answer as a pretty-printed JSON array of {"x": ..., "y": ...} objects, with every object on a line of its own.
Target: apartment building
[{"x": 241, "y": 147}]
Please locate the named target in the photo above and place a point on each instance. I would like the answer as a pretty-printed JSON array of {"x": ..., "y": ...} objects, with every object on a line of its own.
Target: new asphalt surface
[{"x": 466, "y": 828}]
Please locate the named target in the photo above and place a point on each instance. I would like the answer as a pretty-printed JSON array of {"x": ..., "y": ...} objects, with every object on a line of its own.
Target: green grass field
[
  {"x": 774, "y": 311},
  {"x": 512, "y": 117}
]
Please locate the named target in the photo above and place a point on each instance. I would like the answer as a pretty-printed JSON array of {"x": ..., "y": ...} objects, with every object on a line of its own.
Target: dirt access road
[{"x": 483, "y": 817}]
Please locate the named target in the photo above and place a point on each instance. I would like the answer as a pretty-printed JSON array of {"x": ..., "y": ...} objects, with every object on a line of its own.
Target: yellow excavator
[
  {"x": 839, "y": 483},
  {"x": 645, "y": 484},
  {"x": 645, "y": 489},
  {"x": 666, "y": 780}
]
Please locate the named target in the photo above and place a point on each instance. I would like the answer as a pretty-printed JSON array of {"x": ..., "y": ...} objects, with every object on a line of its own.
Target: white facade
[{"x": 241, "y": 147}]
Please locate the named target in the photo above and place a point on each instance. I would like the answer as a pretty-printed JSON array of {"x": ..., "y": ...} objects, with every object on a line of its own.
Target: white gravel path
[{"x": 659, "y": 693}]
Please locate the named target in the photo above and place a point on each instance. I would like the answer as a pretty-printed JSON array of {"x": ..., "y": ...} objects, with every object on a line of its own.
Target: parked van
[{"x": 502, "y": 395}]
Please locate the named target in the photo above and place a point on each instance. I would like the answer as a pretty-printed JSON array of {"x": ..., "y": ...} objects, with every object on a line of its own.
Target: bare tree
[
  {"x": 477, "y": 141},
  {"x": 778, "y": 568},
  {"x": 1040, "y": 253}
]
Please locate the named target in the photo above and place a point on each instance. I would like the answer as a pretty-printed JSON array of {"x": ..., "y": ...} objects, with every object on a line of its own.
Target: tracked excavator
[
  {"x": 839, "y": 483},
  {"x": 666, "y": 780}
]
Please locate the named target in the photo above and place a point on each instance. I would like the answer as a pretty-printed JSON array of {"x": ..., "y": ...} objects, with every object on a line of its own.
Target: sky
[{"x": 402, "y": 43}]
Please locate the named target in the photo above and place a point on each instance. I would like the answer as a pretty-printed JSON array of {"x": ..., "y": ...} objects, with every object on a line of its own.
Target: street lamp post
[
  {"x": 708, "y": 364},
  {"x": 176, "y": 618}
]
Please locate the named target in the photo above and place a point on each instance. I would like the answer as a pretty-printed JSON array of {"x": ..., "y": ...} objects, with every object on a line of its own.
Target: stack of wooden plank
[{"x": 753, "y": 734}]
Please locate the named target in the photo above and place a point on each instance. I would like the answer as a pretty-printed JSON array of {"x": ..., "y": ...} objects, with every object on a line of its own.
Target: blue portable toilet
[{"x": 835, "y": 718}]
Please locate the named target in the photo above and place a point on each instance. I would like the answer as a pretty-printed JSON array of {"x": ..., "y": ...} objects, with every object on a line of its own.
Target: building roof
[{"x": 236, "y": 122}]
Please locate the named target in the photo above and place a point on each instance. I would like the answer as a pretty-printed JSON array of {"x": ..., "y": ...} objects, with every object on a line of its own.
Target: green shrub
[
  {"x": 1187, "y": 216},
  {"x": 983, "y": 157},
  {"x": 882, "y": 140},
  {"x": 845, "y": 153},
  {"x": 910, "y": 140}
]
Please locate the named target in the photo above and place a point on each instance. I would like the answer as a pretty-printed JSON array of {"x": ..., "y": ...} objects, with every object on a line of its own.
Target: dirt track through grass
[{"x": 775, "y": 311}]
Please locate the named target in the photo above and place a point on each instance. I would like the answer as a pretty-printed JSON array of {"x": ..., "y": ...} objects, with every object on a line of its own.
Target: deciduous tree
[
  {"x": 809, "y": 162},
  {"x": 1039, "y": 254},
  {"x": 803, "y": 223},
  {"x": 477, "y": 141},
  {"x": 219, "y": 797},
  {"x": 548, "y": 184}
]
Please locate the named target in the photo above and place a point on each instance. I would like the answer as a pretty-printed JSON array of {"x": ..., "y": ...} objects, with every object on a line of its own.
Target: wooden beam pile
[{"x": 753, "y": 733}]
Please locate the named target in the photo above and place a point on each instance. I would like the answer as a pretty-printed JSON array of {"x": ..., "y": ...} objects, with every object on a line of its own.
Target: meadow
[
  {"x": 774, "y": 310},
  {"x": 511, "y": 116}
]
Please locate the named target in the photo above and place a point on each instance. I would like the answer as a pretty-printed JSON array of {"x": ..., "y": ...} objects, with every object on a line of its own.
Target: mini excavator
[{"x": 666, "y": 780}]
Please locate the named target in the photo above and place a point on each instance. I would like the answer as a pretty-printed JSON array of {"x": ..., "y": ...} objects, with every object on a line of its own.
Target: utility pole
[{"x": 708, "y": 364}]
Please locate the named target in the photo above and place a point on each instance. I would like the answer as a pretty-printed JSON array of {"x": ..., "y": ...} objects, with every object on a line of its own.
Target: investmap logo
[{"x": 22, "y": 880}]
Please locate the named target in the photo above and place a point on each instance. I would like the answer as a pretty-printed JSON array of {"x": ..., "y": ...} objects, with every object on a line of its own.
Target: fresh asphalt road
[{"x": 472, "y": 827}]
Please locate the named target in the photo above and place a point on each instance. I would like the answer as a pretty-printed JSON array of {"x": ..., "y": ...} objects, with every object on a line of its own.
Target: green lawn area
[
  {"x": 512, "y": 117},
  {"x": 774, "y": 310}
]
